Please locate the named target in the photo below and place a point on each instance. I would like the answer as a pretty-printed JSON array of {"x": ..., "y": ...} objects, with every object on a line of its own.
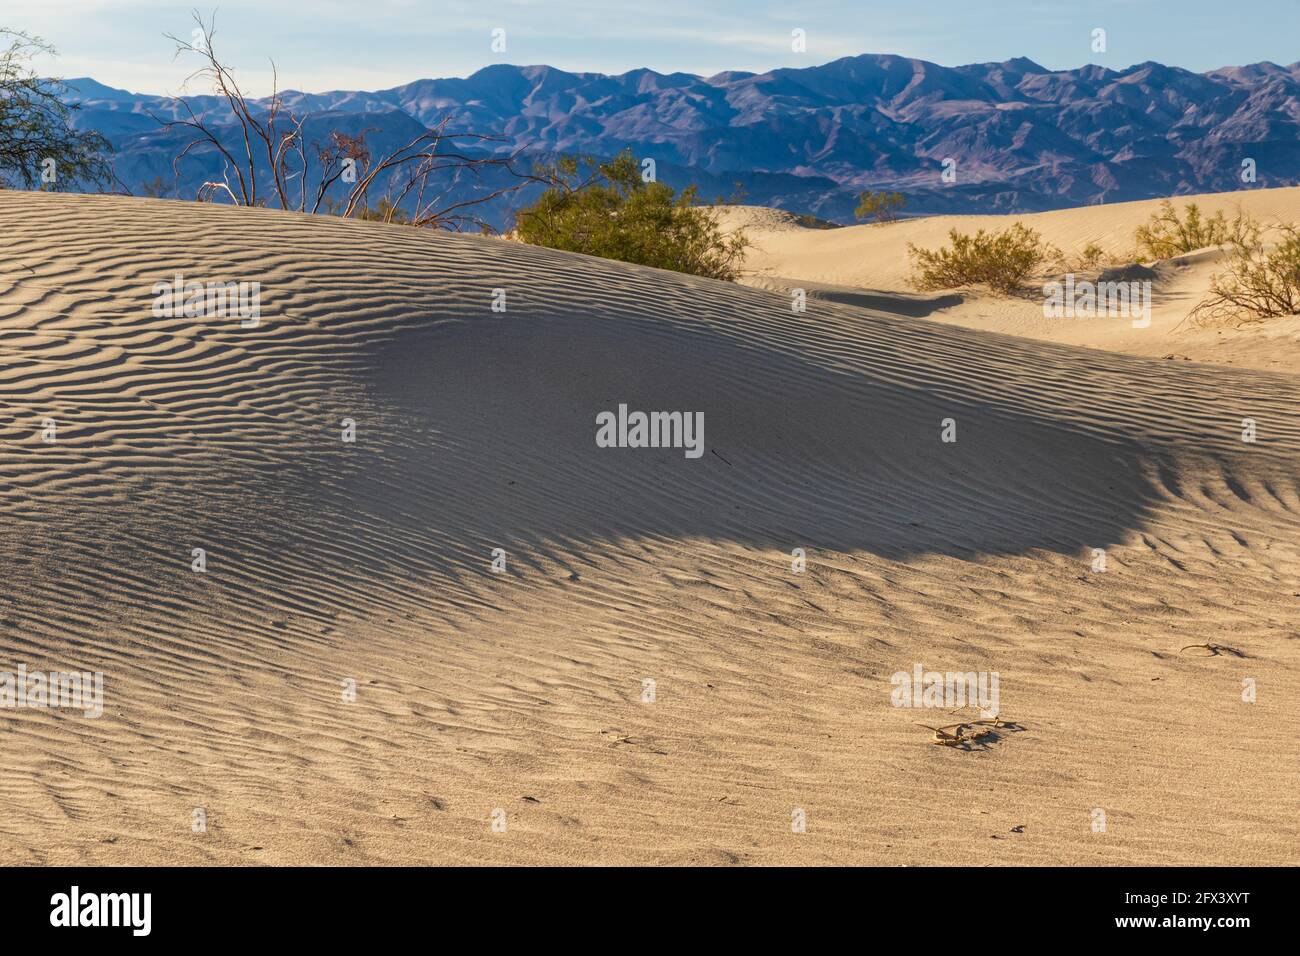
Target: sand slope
[
  {"x": 522, "y": 691},
  {"x": 868, "y": 265}
]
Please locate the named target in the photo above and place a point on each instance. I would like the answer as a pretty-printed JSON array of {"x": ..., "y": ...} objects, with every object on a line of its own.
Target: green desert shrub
[
  {"x": 1261, "y": 280},
  {"x": 1169, "y": 234},
  {"x": 383, "y": 211},
  {"x": 1091, "y": 256},
  {"x": 880, "y": 206},
  {"x": 156, "y": 188},
  {"x": 614, "y": 213},
  {"x": 39, "y": 148},
  {"x": 1094, "y": 256},
  {"x": 1001, "y": 259}
]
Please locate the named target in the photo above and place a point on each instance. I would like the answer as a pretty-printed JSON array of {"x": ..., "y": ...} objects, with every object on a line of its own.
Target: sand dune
[
  {"x": 868, "y": 265},
  {"x": 522, "y": 691}
]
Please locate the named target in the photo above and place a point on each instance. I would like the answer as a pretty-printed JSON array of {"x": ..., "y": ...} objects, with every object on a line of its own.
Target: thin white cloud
[{"x": 331, "y": 44}]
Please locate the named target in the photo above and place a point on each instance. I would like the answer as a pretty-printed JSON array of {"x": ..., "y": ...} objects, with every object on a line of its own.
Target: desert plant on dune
[
  {"x": 1169, "y": 234},
  {"x": 1260, "y": 281},
  {"x": 1091, "y": 255},
  {"x": 614, "y": 213},
  {"x": 1001, "y": 260},
  {"x": 268, "y": 142},
  {"x": 38, "y": 146},
  {"x": 384, "y": 211},
  {"x": 880, "y": 206},
  {"x": 156, "y": 188}
]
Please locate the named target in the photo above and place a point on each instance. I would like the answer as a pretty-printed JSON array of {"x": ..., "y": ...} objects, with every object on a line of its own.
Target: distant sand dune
[
  {"x": 522, "y": 691},
  {"x": 869, "y": 266}
]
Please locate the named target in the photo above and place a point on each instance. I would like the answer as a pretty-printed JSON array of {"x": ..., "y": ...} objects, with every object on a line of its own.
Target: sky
[{"x": 321, "y": 45}]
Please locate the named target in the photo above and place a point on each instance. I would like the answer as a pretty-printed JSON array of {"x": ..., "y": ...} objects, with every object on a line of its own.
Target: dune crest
[{"x": 868, "y": 265}]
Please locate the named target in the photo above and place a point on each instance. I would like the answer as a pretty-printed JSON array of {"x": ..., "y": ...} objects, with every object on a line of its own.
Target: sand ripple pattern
[{"x": 369, "y": 561}]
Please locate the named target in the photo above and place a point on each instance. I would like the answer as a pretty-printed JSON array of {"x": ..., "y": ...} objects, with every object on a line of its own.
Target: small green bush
[
  {"x": 1001, "y": 260},
  {"x": 1091, "y": 256},
  {"x": 1168, "y": 234},
  {"x": 881, "y": 206},
  {"x": 616, "y": 214},
  {"x": 384, "y": 211}
]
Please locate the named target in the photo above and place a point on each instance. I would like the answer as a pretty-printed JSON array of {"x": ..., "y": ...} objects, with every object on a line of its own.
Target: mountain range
[{"x": 1020, "y": 137}]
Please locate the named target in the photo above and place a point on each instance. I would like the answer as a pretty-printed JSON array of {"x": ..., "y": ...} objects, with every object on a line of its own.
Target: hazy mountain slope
[{"x": 1023, "y": 137}]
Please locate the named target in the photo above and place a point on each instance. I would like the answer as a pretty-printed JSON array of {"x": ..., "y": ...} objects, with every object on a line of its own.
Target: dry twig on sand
[{"x": 967, "y": 732}]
